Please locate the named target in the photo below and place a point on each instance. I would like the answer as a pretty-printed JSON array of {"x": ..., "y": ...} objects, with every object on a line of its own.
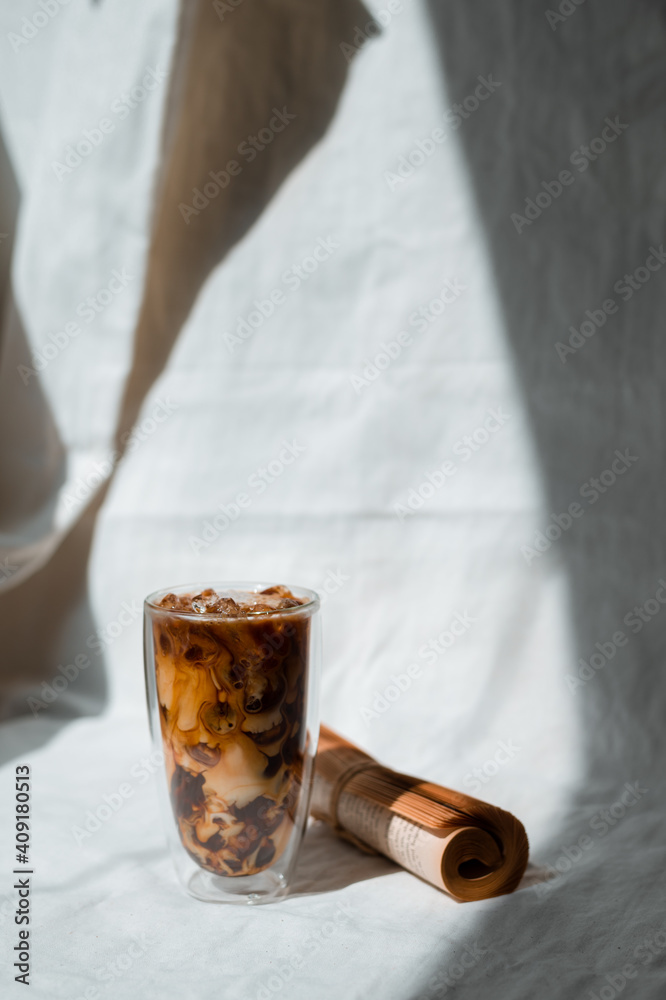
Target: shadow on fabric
[
  {"x": 327, "y": 863},
  {"x": 564, "y": 82},
  {"x": 45, "y": 619}
]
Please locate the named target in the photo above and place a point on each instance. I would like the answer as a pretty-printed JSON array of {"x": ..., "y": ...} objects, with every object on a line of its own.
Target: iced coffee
[{"x": 231, "y": 673}]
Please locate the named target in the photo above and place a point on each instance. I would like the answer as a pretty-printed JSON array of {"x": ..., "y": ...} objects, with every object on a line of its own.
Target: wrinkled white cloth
[{"x": 365, "y": 324}]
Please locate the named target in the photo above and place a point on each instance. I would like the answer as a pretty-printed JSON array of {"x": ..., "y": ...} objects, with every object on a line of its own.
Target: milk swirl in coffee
[{"x": 231, "y": 674}]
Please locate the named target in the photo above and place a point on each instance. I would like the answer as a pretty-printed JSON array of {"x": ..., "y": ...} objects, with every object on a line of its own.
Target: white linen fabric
[{"x": 383, "y": 342}]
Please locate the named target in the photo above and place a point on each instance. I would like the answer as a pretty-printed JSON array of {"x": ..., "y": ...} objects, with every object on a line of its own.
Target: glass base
[{"x": 249, "y": 890}]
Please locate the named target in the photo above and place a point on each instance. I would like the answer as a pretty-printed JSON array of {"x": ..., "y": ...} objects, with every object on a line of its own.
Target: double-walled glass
[{"x": 233, "y": 704}]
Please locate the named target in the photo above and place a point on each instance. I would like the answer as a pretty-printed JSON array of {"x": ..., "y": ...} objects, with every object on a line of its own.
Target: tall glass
[{"x": 232, "y": 677}]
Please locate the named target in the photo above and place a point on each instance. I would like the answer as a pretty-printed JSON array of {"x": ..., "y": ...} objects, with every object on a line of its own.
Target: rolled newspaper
[{"x": 465, "y": 847}]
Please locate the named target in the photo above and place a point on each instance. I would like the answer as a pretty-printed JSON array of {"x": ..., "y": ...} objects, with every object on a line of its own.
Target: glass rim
[{"x": 150, "y": 602}]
